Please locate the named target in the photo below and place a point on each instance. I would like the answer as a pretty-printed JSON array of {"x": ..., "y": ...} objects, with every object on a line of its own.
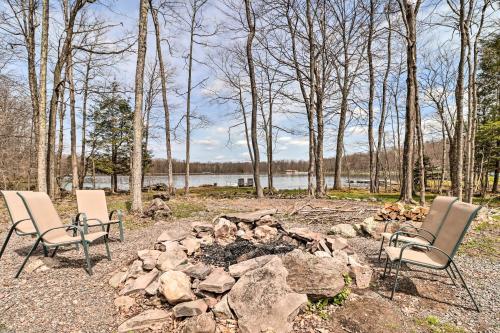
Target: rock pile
[
  {"x": 158, "y": 210},
  {"x": 397, "y": 211},
  {"x": 263, "y": 293}
]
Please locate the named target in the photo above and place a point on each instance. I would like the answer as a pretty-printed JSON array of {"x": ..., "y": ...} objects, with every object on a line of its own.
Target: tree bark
[
  {"x": 137, "y": 151},
  {"x": 56, "y": 86},
  {"x": 409, "y": 11},
  {"x": 72, "y": 109},
  {"x": 166, "y": 111},
  {"x": 458, "y": 146},
  {"x": 383, "y": 111},
  {"x": 83, "y": 160},
  {"x": 371, "y": 71},
  {"x": 42, "y": 100},
  {"x": 250, "y": 16}
]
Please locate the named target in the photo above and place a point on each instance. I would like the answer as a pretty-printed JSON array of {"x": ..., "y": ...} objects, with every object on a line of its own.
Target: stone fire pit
[{"x": 242, "y": 270}]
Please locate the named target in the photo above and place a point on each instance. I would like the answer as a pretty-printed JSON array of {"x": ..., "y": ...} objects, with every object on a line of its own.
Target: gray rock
[
  {"x": 171, "y": 259},
  {"x": 267, "y": 220},
  {"x": 148, "y": 258},
  {"x": 344, "y": 230},
  {"x": 172, "y": 235},
  {"x": 217, "y": 282},
  {"x": 262, "y": 300},
  {"x": 141, "y": 283},
  {"x": 152, "y": 289},
  {"x": 265, "y": 232},
  {"x": 190, "y": 309},
  {"x": 202, "y": 227},
  {"x": 124, "y": 303},
  {"x": 135, "y": 269},
  {"x": 118, "y": 278},
  {"x": 241, "y": 268},
  {"x": 203, "y": 323},
  {"x": 317, "y": 277},
  {"x": 249, "y": 217},
  {"x": 224, "y": 231},
  {"x": 336, "y": 243},
  {"x": 176, "y": 287},
  {"x": 148, "y": 320},
  {"x": 191, "y": 244},
  {"x": 222, "y": 310},
  {"x": 198, "y": 271},
  {"x": 304, "y": 234},
  {"x": 322, "y": 254}
]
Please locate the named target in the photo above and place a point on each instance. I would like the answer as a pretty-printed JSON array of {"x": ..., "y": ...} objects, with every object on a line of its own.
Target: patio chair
[
  {"x": 19, "y": 217},
  {"x": 93, "y": 211},
  {"x": 427, "y": 233},
  {"x": 440, "y": 254},
  {"x": 52, "y": 233}
]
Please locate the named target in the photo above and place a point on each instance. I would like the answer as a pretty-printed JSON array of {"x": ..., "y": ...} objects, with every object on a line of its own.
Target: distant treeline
[{"x": 357, "y": 163}]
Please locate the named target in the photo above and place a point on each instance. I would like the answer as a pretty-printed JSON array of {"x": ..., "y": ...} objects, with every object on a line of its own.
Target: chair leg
[
  {"x": 55, "y": 250},
  {"x": 27, "y": 257},
  {"x": 396, "y": 280},
  {"x": 120, "y": 226},
  {"x": 45, "y": 251},
  {"x": 107, "y": 247},
  {"x": 452, "y": 279},
  {"x": 6, "y": 241},
  {"x": 390, "y": 267},
  {"x": 87, "y": 258},
  {"x": 466, "y": 288},
  {"x": 381, "y": 247},
  {"x": 453, "y": 272},
  {"x": 385, "y": 266}
]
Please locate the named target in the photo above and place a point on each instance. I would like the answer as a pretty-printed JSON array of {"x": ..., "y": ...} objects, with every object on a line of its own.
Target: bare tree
[
  {"x": 154, "y": 14},
  {"x": 409, "y": 10},
  {"x": 137, "y": 151},
  {"x": 250, "y": 17}
]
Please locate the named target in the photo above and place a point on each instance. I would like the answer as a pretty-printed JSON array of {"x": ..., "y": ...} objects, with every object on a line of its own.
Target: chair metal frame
[
  {"x": 449, "y": 266},
  {"x": 13, "y": 228},
  {"x": 410, "y": 225},
  {"x": 82, "y": 220},
  {"x": 76, "y": 229}
]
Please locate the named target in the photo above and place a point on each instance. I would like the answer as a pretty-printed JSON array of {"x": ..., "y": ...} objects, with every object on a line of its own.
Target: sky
[{"x": 217, "y": 140}]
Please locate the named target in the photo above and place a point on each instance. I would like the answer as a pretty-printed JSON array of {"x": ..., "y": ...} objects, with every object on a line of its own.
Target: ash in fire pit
[{"x": 241, "y": 250}]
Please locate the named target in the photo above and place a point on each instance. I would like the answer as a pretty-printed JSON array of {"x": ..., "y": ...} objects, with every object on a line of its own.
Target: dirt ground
[{"x": 64, "y": 298}]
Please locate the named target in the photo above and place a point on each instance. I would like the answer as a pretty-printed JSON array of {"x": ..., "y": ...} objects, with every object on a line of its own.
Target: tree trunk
[
  {"x": 383, "y": 111},
  {"x": 136, "y": 162},
  {"x": 56, "y": 86},
  {"x": 42, "y": 101},
  {"x": 60, "y": 144},
  {"x": 409, "y": 11},
  {"x": 371, "y": 144},
  {"x": 458, "y": 152},
  {"x": 420, "y": 145},
  {"x": 83, "y": 160},
  {"x": 250, "y": 16},
  {"x": 337, "y": 182},
  {"x": 74, "y": 160},
  {"x": 163, "y": 76},
  {"x": 188, "y": 102}
]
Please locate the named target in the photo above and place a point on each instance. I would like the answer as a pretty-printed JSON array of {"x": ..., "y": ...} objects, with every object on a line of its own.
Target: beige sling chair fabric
[
  {"x": 20, "y": 219},
  {"x": 18, "y": 213},
  {"x": 430, "y": 227},
  {"x": 440, "y": 254},
  {"x": 93, "y": 210},
  {"x": 51, "y": 231}
]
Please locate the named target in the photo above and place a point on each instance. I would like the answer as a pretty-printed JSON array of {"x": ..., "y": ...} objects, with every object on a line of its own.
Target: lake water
[{"x": 281, "y": 181}]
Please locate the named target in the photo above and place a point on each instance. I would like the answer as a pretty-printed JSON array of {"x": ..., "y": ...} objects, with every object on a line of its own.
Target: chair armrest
[
  {"x": 393, "y": 221},
  {"x": 420, "y": 230},
  {"x": 395, "y": 236},
  {"x": 118, "y": 213}
]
